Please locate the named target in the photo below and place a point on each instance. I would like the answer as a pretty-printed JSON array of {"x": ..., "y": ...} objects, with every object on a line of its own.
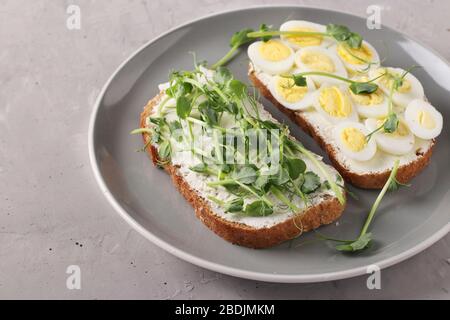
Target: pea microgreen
[
  {"x": 258, "y": 208},
  {"x": 392, "y": 121},
  {"x": 356, "y": 87},
  {"x": 237, "y": 40},
  {"x": 338, "y": 32},
  {"x": 256, "y": 192},
  {"x": 365, "y": 238},
  {"x": 311, "y": 183}
]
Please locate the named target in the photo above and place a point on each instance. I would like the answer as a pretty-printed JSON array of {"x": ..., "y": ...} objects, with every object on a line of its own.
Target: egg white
[
  {"x": 270, "y": 67},
  {"x": 303, "y": 104},
  {"x": 293, "y": 24},
  {"x": 338, "y": 66},
  {"x": 401, "y": 99},
  {"x": 371, "y": 111},
  {"x": 390, "y": 143},
  {"x": 366, "y": 153},
  {"x": 411, "y": 115},
  {"x": 353, "y": 116},
  {"x": 359, "y": 67}
]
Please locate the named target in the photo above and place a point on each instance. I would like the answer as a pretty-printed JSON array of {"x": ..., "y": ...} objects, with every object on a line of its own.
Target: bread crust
[
  {"x": 326, "y": 212},
  {"x": 366, "y": 181}
]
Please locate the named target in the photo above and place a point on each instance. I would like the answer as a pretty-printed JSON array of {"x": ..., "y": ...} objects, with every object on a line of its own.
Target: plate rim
[{"x": 217, "y": 267}]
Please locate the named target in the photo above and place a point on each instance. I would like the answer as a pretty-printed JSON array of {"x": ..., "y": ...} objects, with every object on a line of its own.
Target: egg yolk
[
  {"x": 318, "y": 61},
  {"x": 402, "y": 129},
  {"x": 353, "y": 139},
  {"x": 274, "y": 50},
  {"x": 305, "y": 41},
  {"x": 360, "y": 56},
  {"x": 426, "y": 120},
  {"x": 389, "y": 78},
  {"x": 335, "y": 103},
  {"x": 368, "y": 99},
  {"x": 289, "y": 91}
]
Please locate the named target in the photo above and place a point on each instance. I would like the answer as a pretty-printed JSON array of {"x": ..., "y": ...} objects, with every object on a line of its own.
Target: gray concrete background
[{"x": 52, "y": 214}]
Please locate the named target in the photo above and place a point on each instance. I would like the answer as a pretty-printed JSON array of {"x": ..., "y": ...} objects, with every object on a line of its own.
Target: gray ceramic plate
[{"x": 408, "y": 221}]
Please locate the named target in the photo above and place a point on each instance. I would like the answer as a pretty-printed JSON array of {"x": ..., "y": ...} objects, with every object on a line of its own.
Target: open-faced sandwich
[
  {"x": 331, "y": 83},
  {"x": 248, "y": 180}
]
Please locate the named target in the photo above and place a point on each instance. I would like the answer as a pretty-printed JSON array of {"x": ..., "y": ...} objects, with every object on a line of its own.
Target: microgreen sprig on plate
[
  {"x": 237, "y": 40},
  {"x": 366, "y": 87},
  {"x": 338, "y": 32},
  {"x": 365, "y": 238}
]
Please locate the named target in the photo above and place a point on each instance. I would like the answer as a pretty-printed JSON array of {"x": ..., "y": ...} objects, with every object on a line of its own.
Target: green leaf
[
  {"x": 209, "y": 114},
  {"x": 281, "y": 178},
  {"x": 339, "y": 32},
  {"x": 179, "y": 88},
  {"x": 258, "y": 209},
  {"x": 184, "y": 107},
  {"x": 175, "y": 130},
  {"x": 343, "y": 34},
  {"x": 398, "y": 82},
  {"x": 295, "y": 167},
  {"x": 158, "y": 121},
  {"x": 264, "y": 28},
  {"x": 226, "y": 168},
  {"x": 155, "y": 137},
  {"x": 164, "y": 150},
  {"x": 237, "y": 88},
  {"x": 261, "y": 182},
  {"x": 299, "y": 80},
  {"x": 235, "y": 205},
  {"x": 200, "y": 168},
  {"x": 395, "y": 185},
  {"x": 247, "y": 175},
  {"x": 174, "y": 125},
  {"x": 311, "y": 183},
  {"x": 391, "y": 123},
  {"x": 270, "y": 125},
  {"x": 363, "y": 87},
  {"x": 240, "y": 38},
  {"x": 355, "y": 40},
  {"x": 360, "y": 244},
  {"x": 236, "y": 190},
  {"x": 232, "y": 108},
  {"x": 222, "y": 75}
]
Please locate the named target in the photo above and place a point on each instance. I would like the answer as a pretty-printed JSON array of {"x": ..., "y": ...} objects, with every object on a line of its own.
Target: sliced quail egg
[
  {"x": 333, "y": 102},
  {"x": 291, "y": 96},
  {"x": 272, "y": 57},
  {"x": 370, "y": 105},
  {"x": 319, "y": 59},
  {"x": 357, "y": 59},
  {"x": 397, "y": 143},
  {"x": 351, "y": 139},
  {"x": 410, "y": 88},
  {"x": 423, "y": 119},
  {"x": 302, "y": 41}
]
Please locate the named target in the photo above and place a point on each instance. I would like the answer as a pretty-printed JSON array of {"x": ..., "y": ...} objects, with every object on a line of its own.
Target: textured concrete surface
[{"x": 52, "y": 213}]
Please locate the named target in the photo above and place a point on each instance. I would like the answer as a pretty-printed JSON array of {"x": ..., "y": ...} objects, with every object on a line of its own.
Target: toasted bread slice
[
  {"x": 325, "y": 210},
  {"x": 363, "y": 179}
]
